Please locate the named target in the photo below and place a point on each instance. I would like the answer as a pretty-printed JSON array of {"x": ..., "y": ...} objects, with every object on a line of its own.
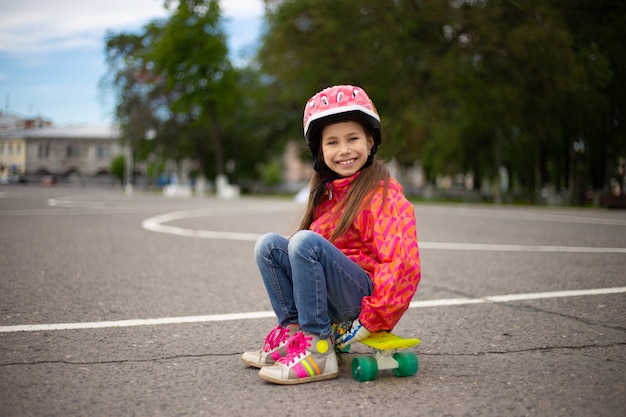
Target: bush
[{"x": 118, "y": 167}]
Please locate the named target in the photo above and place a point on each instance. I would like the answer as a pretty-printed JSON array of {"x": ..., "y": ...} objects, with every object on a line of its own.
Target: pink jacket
[{"x": 383, "y": 241}]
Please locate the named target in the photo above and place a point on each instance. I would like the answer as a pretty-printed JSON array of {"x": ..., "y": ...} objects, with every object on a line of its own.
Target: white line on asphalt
[
  {"x": 516, "y": 248},
  {"x": 268, "y": 314},
  {"x": 507, "y": 213},
  {"x": 155, "y": 224},
  {"x": 515, "y": 297}
]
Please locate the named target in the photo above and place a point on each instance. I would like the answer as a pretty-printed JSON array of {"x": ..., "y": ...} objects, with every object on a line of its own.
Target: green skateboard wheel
[
  {"x": 364, "y": 368},
  {"x": 407, "y": 363}
]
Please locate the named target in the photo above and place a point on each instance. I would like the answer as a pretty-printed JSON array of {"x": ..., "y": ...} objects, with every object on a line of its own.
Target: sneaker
[
  {"x": 339, "y": 329},
  {"x": 308, "y": 359},
  {"x": 273, "y": 348}
]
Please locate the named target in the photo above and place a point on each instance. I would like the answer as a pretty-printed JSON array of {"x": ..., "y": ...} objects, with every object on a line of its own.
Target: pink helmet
[{"x": 333, "y": 104}]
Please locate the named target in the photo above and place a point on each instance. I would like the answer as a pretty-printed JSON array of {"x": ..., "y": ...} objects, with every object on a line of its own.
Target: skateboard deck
[
  {"x": 388, "y": 341},
  {"x": 386, "y": 356}
]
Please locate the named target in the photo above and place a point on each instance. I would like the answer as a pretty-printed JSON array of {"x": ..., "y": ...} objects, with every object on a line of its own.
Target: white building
[{"x": 79, "y": 150}]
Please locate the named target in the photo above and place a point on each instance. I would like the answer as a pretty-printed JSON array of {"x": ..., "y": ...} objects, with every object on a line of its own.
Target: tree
[
  {"x": 462, "y": 86},
  {"x": 466, "y": 85},
  {"x": 597, "y": 109},
  {"x": 175, "y": 79},
  {"x": 130, "y": 75},
  {"x": 508, "y": 71},
  {"x": 192, "y": 57}
]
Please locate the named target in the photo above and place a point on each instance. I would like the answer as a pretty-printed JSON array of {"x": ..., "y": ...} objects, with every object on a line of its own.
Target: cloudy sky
[{"x": 52, "y": 51}]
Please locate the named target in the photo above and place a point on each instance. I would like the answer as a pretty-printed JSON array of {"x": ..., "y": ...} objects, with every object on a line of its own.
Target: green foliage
[
  {"x": 175, "y": 79},
  {"x": 464, "y": 85},
  {"x": 271, "y": 173},
  {"x": 118, "y": 167},
  {"x": 192, "y": 57},
  {"x": 461, "y": 86}
]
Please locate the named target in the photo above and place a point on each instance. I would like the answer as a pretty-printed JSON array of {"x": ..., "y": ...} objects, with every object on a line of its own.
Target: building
[
  {"x": 63, "y": 151},
  {"x": 15, "y": 122}
]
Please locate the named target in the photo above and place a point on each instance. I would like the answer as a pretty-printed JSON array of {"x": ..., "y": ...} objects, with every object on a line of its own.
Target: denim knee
[
  {"x": 302, "y": 239},
  {"x": 265, "y": 243}
]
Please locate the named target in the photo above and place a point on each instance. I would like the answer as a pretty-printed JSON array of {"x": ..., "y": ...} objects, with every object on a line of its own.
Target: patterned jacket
[{"x": 383, "y": 241}]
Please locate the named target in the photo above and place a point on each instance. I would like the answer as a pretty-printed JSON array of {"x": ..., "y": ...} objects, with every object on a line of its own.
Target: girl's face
[{"x": 345, "y": 147}]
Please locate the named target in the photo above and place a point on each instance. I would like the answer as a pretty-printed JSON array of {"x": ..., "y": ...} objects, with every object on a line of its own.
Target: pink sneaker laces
[
  {"x": 296, "y": 346},
  {"x": 278, "y": 335}
]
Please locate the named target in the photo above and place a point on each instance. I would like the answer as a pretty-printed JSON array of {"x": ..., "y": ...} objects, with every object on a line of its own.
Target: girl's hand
[{"x": 356, "y": 333}]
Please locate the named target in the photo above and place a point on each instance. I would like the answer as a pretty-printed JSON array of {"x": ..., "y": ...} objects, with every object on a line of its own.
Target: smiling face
[{"x": 345, "y": 147}]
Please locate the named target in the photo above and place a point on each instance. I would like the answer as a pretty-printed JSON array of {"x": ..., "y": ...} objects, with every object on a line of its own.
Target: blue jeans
[{"x": 310, "y": 282}]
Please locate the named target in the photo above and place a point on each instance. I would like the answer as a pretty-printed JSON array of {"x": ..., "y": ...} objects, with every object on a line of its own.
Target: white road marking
[
  {"x": 268, "y": 314},
  {"x": 60, "y": 202},
  {"x": 514, "y": 214},
  {"x": 156, "y": 224},
  {"x": 517, "y": 248},
  {"x": 515, "y": 297}
]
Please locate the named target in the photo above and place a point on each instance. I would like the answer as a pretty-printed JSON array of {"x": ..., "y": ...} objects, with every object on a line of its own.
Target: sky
[{"x": 52, "y": 52}]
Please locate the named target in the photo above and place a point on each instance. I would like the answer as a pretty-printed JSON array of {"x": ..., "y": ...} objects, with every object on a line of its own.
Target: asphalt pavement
[{"x": 141, "y": 305}]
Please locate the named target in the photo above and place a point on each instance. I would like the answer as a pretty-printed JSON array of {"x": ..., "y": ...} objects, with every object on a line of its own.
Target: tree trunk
[{"x": 216, "y": 139}]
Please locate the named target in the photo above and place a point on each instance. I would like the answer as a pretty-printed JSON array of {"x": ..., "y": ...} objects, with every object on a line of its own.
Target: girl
[{"x": 355, "y": 258}]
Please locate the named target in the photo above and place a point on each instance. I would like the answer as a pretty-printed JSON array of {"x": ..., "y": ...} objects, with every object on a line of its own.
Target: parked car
[
  {"x": 48, "y": 180},
  {"x": 17, "y": 179}
]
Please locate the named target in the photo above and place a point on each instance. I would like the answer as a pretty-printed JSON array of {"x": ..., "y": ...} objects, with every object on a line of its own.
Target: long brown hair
[{"x": 361, "y": 189}]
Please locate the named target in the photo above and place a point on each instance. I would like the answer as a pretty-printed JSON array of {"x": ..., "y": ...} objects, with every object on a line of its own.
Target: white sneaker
[
  {"x": 308, "y": 359},
  {"x": 273, "y": 348}
]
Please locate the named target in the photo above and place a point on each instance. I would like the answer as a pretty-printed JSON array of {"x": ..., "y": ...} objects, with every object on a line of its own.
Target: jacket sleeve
[{"x": 397, "y": 272}]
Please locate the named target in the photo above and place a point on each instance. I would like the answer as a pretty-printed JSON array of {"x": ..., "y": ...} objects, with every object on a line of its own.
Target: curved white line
[{"x": 155, "y": 224}]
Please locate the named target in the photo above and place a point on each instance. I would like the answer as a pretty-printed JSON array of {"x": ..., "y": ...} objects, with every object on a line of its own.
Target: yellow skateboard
[{"x": 386, "y": 356}]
